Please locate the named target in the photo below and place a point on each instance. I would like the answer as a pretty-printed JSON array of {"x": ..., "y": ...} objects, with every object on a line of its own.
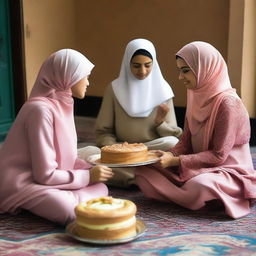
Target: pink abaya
[
  {"x": 39, "y": 168},
  {"x": 215, "y": 159}
]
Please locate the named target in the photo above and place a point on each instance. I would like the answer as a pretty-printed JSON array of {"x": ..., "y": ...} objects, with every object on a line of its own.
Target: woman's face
[
  {"x": 79, "y": 89},
  {"x": 186, "y": 74},
  {"x": 141, "y": 66}
]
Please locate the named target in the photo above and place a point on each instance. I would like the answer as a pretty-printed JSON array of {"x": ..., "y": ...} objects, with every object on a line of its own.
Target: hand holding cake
[
  {"x": 100, "y": 173},
  {"x": 166, "y": 159}
]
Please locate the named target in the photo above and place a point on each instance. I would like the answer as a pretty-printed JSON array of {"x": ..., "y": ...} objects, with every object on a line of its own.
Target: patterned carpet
[{"x": 170, "y": 230}]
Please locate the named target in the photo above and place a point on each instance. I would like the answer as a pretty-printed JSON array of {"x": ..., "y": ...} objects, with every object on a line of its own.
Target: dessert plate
[
  {"x": 95, "y": 160},
  {"x": 140, "y": 229}
]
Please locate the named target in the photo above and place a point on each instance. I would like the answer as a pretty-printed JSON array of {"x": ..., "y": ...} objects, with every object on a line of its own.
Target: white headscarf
[{"x": 139, "y": 97}]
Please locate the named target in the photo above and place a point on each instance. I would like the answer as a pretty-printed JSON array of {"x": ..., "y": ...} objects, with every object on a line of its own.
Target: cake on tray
[
  {"x": 125, "y": 153},
  {"x": 106, "y": 218}
]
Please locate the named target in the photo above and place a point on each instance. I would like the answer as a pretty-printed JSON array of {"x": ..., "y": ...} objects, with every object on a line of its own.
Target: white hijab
[{"x": 139, "y": 97}]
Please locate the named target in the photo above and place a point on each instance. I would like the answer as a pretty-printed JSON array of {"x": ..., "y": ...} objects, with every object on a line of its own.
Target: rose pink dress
[
  {"x": 39, "y": 168},
  {"x": 215, "y": 159}
]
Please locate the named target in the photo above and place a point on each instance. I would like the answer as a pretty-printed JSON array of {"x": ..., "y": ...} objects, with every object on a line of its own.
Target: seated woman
[
  {"x": 212, "y": 161},
  {"x": 138, "y": 105},
  {"x": 39, "y": 168},
  {"x": 137, "y": 108}
]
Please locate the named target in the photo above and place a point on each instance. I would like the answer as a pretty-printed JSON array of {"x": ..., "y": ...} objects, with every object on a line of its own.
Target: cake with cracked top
[{"x": 125, "y": 153}]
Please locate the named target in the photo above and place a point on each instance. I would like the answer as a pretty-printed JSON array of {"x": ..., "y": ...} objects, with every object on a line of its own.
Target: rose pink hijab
[
  {"x": 58, "y": 74},
  {"x": 213, "y": 85}
]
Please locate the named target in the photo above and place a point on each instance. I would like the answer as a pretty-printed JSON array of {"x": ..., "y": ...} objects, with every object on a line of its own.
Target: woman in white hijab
[{"x": 137, "y": 106}]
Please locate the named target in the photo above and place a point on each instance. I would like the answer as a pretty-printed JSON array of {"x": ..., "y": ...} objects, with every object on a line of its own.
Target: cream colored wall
[
  {"x": 110, "y": 24},
  {"x": 235, "y": 43},
  {"x": 49, "y": 26},
  {"x": 248, "y": 80},
  {"x": 242, "y": 51},
  {"x": 100, "y": 29}
]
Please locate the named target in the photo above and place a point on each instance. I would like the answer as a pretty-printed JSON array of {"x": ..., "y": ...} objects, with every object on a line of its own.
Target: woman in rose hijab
[
  {"x": 212, "y": 160},
  {"x": 39, "y": 168}
]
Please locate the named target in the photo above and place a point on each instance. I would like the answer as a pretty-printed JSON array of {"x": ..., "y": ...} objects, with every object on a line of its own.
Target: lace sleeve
[
  {"x": 231, "y": 128},
  {"x": 183, "y": 147}
]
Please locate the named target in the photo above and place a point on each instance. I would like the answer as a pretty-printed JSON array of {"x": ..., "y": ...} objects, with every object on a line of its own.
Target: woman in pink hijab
[
  {"x": 39, "y": 168},
  {"x": 212, "y": 160}
]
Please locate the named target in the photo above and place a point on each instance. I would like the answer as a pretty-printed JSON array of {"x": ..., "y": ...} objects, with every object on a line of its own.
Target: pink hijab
[
  {"x": 58, "y": 74},
  {"x": 213, "y": 85}
]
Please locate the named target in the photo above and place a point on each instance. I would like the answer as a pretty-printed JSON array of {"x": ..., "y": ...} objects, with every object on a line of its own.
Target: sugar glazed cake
[
  {"x": 106, "y": 218},
  {"x": 124, "y": 153}
]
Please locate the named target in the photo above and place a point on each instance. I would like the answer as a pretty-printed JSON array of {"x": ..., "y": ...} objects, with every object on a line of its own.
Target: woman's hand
[
  {"x": 166, "y": 159},
  {"x": 162, "y": 111},
  {"x": 100, "y": 173}
]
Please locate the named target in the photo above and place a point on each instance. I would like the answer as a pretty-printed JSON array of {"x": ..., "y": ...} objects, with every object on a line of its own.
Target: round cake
[
  {"x": 124, "y": 153},
  {"x": 106, "y": 218}
]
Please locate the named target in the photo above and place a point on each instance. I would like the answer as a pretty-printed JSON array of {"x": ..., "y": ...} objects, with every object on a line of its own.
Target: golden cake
[
  {"x": 124, "y": 153},
  {"x": 106, "y": 218}
]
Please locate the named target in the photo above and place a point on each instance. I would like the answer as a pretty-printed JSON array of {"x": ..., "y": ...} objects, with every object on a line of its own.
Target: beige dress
[{"x": 114, "y": 125}]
